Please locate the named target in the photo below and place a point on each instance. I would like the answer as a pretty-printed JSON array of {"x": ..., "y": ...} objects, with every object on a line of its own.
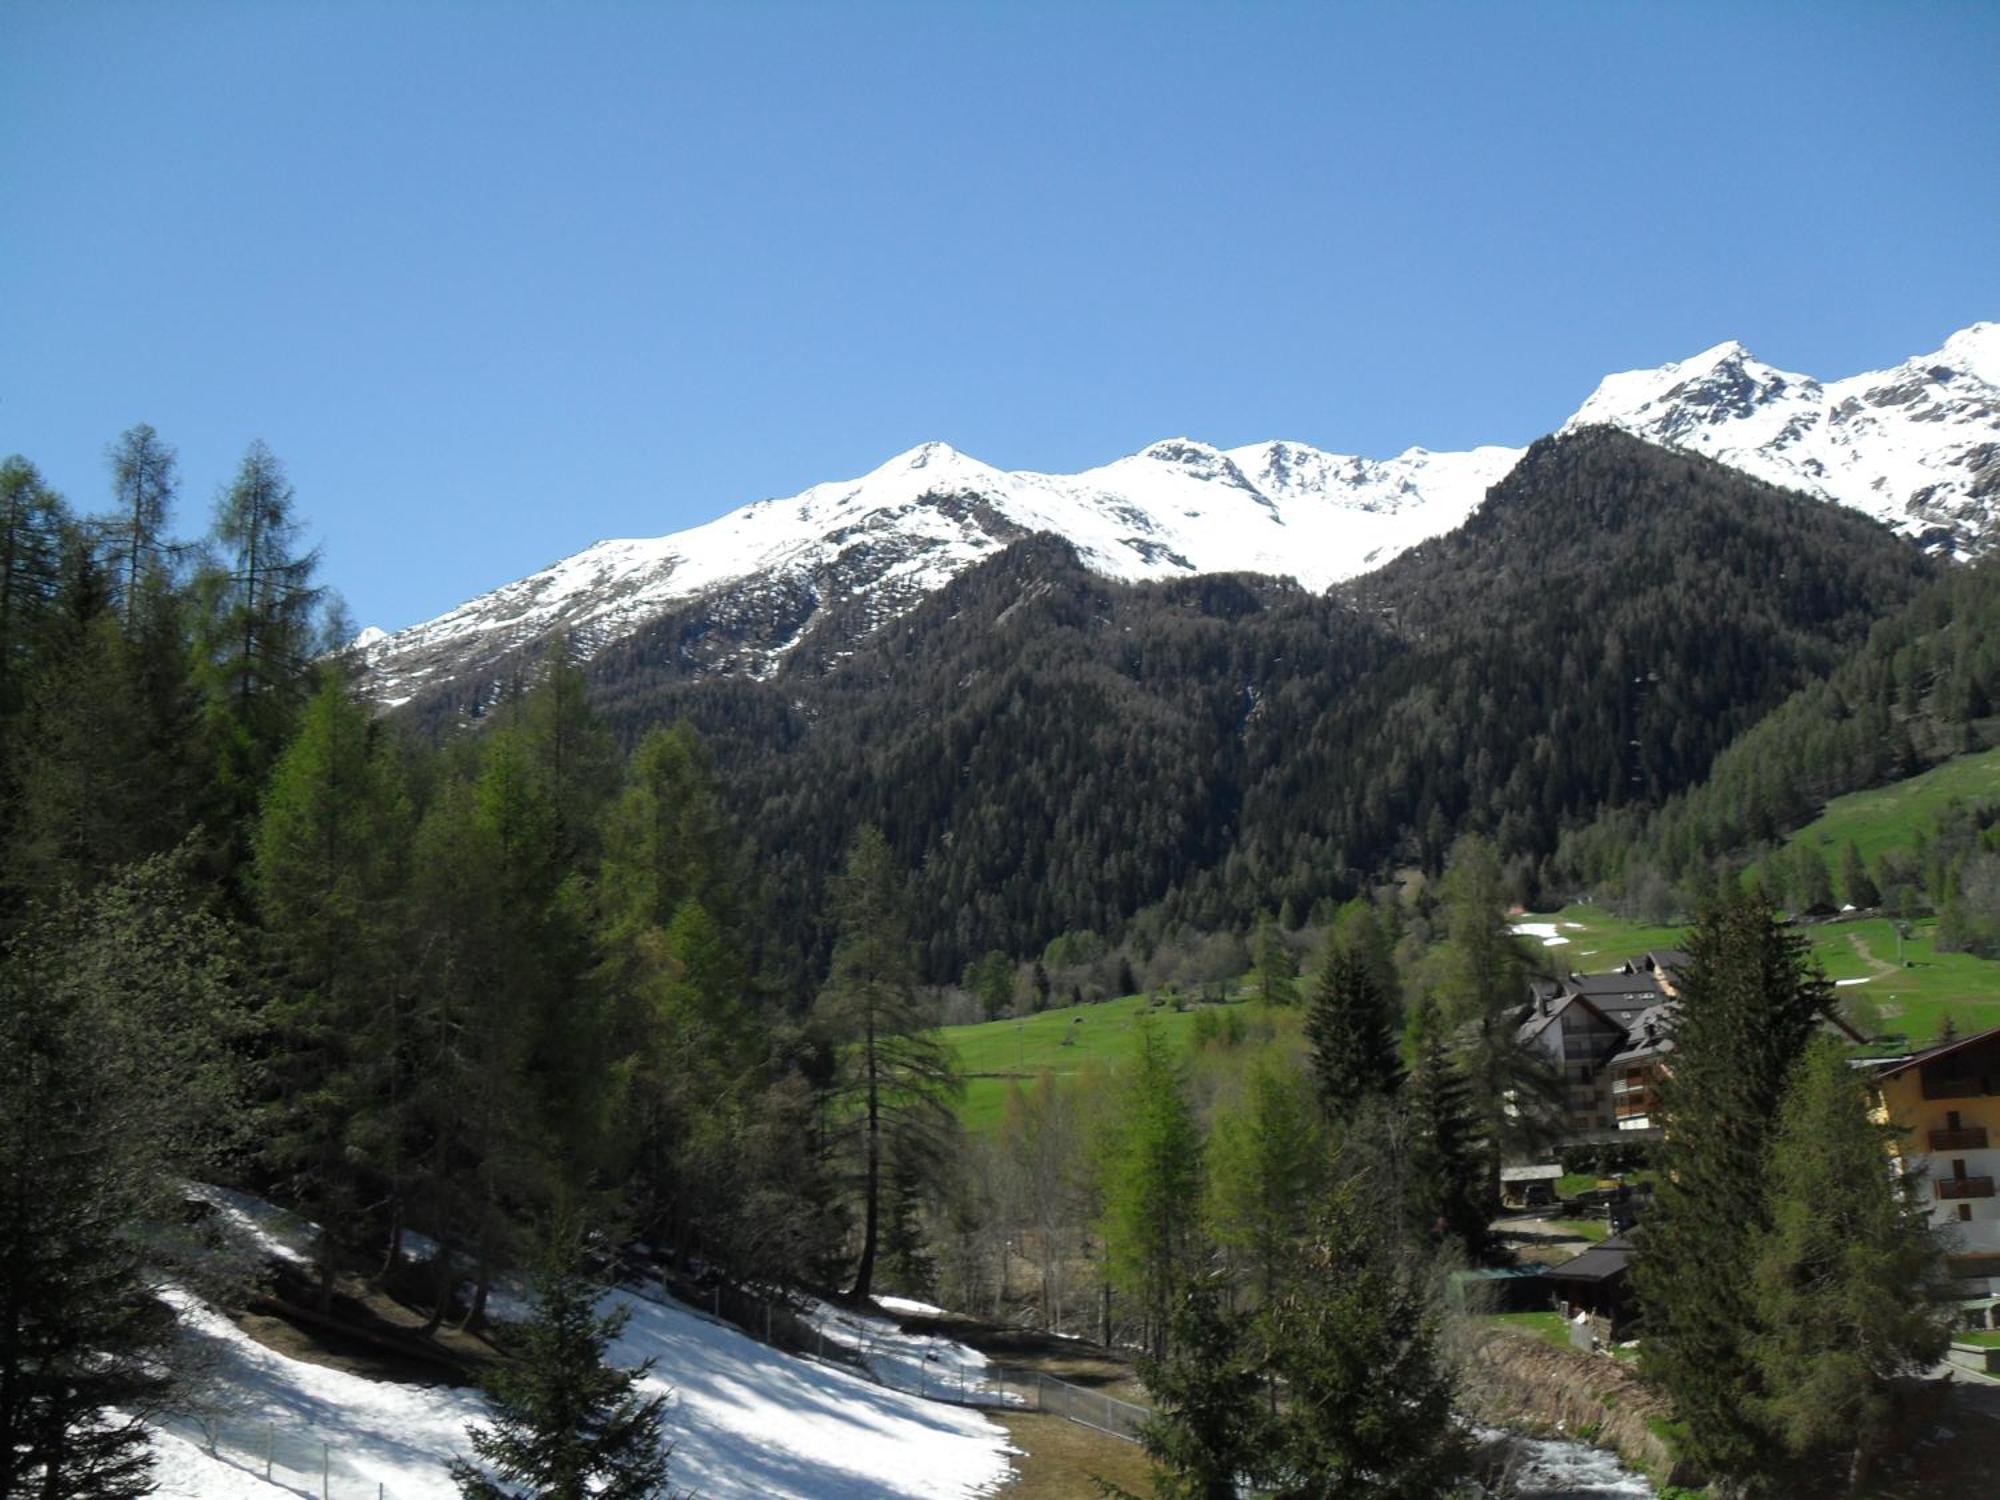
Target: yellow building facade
[{"x": 1945, "y": 1102}]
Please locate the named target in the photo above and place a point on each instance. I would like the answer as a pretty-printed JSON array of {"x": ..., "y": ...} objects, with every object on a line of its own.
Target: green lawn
[
  {"x": 1889, "y": 817},
  {"x": 1584, "y": 1229},
  {"x": 1547, "y": 1326},
  {"x": 1976, "y": 1336},
  {"x": 995, "y": 1054},
  {"x": 1913, "y": 996}
]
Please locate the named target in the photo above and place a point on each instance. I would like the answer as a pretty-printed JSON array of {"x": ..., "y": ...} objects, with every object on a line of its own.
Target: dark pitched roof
[
  {"x": 1932, "y": 1054},
  {"x": 1600, "y": 1262}
]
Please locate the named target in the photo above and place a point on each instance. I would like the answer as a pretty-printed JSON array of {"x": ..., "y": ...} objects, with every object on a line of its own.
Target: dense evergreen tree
[
  {"x": 567, "y": 1425},
  {"x": 34, "y": 526},
  {"x": 1447, "y": 1184},
  {"x": 1856, "y": 884},
  {"x": 1352, "y": 1033},
  {"x": 1368, "y": 1414},
  {"x": 1848, "y": 1278},
  {"x": 119, "y": 1020},
  {"x": 1209, "y": 1430},
  {"x": 1749, "y": 1003}
]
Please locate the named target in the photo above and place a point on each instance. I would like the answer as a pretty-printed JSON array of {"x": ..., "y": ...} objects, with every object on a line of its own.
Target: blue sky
[{"x": 498, "y": 280}]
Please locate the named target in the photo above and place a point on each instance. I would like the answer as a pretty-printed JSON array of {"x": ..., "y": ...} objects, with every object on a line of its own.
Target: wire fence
[
  {"x": 901, "y": 1367},
  {"x": 290, "y": 1457}
]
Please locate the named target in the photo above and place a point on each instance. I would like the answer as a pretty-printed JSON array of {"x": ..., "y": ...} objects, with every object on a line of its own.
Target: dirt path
[{"x": 1867, "y": 955}]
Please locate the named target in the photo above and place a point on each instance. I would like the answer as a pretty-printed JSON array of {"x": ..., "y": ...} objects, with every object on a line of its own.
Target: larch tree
[
  {"x": 896, "y": 1080},
  {"x": 1266, "y": 1156},
  {"x": 144, "y": 480},
  {"x": 33, "y": 526},
  {"x": 330, "y": 847},
  {"x": 1151, "y": 1170},
  {"x": 259, "y": 604}
]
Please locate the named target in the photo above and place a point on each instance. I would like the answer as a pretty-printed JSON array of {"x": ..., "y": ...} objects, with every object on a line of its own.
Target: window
[
  {"x": 1965, "y": 1213},
  {"x": 1951, "y": 1119},
  {"x": 1958, "y": 1168}
]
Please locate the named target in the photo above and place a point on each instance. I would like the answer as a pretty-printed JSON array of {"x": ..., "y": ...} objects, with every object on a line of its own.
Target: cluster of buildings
[{"x": 1610, "y": 1037}]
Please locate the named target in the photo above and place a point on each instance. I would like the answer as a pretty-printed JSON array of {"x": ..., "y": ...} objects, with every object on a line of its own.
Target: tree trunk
[{"x": 864, "y": 1274}]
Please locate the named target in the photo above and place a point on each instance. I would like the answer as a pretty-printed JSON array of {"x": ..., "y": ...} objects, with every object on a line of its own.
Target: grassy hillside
[
  {"x": 1913, "y": 986},
  {"x": 995, "y": 1054},
  {"x": 1890, "y": 817}
]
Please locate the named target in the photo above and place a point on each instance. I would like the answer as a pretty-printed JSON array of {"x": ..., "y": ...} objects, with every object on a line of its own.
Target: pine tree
[
  {"x": 1849, "y": 1278},
  {"x": 1355, "y": 1340},
  {"x": 1749, "y": 1003},
  {"x": 1209, "y": 1430},
  {"x": 119, "y": 1024},
  {"x": 896, "y": 1077},
  {"x": 1352, "y": 1033},
  {"x": 566, "y": 1424},
  {"x": 1854, "y": 877}
]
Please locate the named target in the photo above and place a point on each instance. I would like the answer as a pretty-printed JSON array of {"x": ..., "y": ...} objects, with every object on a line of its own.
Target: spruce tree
[
  {"x": 1446, "y": 1182},
  {"x": 1209, "y": 1431},
  {"x": 1749, "y": 1002},
  {"x": 1368, "y": 1414},
  {"x": 120, "y": 1020},
  {"x": 567, "y": 1425},
  {"x": 33, "y": 528},
  {"x": 1849, "y": 1279},
  {"x": 1352, "y": 1034}
]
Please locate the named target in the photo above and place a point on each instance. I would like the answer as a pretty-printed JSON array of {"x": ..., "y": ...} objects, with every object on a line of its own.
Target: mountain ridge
[{"x": 1917, "y": 446}]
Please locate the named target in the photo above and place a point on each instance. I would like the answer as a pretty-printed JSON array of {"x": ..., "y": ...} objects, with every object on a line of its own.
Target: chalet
[
  {"x": 1598, "y": 1285},
  {"x": 1945, "y": 1105},
  {"x": 1608, "y": 1035}
]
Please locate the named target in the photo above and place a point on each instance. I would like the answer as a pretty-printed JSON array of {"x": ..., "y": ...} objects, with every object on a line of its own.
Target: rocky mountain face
[{"x": 809, "y": 575}]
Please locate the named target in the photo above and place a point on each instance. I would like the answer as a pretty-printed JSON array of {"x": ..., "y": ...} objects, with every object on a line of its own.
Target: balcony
[
  {"x": 1938, "y": 1087},
  {"x": 1969, "y": 1138},
  {"x": 1949, "y": 1188}
]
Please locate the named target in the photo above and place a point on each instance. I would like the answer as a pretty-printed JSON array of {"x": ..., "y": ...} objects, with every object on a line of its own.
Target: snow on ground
[
  {"x": 907, "y": 1361},
  {"x": 747, "y": 1422},
  {"x": 1546, "y": 931}
]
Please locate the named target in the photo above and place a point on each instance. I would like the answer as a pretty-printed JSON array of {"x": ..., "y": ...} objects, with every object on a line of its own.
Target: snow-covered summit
[{"x": 1917, "y": 445}]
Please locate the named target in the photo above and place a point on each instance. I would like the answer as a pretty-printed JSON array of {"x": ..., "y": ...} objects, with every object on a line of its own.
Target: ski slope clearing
[{"x": 747, "y": 1422}]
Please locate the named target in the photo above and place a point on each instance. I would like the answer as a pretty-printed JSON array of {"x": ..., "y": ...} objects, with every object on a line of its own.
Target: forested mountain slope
[
  {"x": 1924, "y": 688},
  {"x": 1054, "y": 751}
]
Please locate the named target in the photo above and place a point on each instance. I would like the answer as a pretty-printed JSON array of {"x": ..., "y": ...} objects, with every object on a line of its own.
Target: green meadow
[{"x": 1890, "y": 817}]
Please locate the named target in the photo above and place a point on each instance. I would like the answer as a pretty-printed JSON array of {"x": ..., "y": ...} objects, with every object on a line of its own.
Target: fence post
[
  {"x": 767, "y": 1322},
  {"x": 325, "y": 1472},
  {"x": 270, "y": 1442},
  {"x": 718, "y": 1299},
  {"x": 1107, "y": 1414}
]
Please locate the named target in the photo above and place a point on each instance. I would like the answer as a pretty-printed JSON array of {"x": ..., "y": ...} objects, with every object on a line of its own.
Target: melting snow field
[{"x": 747, "y": 1422}]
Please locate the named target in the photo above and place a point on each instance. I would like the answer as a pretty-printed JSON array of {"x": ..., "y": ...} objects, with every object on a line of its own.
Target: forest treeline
[{"x": 1050, "y": 751}]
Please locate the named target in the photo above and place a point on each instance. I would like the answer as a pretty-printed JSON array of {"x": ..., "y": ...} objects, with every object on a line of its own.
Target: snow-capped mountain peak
[{"x": 1917, "y": 445}]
